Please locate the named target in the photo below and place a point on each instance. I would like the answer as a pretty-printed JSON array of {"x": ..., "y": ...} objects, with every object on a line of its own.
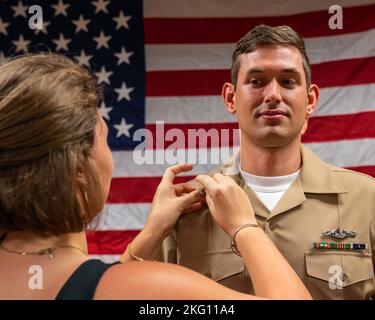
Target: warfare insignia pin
[{"x": 340, "y": 234}]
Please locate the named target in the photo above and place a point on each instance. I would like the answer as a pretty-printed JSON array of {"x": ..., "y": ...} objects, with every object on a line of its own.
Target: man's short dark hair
[{"x": 263, "y": 35}]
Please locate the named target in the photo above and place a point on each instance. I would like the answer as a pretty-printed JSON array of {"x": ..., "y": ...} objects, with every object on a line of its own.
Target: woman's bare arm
[
  {"x": 169, "y": 203},
  {"x": 160, "y": 281},
  {"x": 270, "y": 273}
]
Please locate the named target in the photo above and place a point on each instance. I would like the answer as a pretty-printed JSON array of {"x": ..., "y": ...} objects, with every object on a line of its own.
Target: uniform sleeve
[{"x": 168, "y": 251}]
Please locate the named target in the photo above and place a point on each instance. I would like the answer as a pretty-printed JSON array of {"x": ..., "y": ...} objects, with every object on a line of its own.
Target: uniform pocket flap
[
  {"x": 215, "y": 265},
  {"x": 350, "y": 267}
]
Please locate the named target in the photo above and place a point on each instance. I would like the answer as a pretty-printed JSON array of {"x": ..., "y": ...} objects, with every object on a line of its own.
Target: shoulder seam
[{"x": 354, "y": 172}]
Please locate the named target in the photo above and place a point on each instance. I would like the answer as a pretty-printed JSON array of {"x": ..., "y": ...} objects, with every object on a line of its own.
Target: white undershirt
[{"x": 269, "y": 189}]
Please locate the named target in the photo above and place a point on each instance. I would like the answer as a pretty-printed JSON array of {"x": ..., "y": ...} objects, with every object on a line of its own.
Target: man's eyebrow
[
  {"x": 255, "y": 70},
  {"x": 285, "y": 70},
  {"x": 291, "y": 70}
]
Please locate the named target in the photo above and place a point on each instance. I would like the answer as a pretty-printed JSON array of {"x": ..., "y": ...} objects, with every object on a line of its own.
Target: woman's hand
[
  {"x": 171, "y": 201},
  {"x": 228, "y": 203}
]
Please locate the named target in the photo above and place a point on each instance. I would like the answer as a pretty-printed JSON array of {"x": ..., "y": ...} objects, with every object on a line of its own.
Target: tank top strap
[{"x": 82, "y": 284}]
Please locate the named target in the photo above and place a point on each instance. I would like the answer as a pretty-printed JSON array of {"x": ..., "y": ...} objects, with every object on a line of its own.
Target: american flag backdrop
[{"x": 166, "y": 60}]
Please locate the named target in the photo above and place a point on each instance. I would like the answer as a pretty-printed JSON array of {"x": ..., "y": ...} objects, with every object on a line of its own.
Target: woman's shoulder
[
  {"x": 132, "y": 280},
  {"x": 148, "y": 280}
]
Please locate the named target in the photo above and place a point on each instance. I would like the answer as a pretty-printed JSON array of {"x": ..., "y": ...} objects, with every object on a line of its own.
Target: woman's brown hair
[{"x": 48, "y": 115}]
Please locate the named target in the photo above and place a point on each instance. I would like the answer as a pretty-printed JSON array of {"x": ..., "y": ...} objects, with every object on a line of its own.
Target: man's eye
[
  {"x": 255, "y": 82},
  {"x": 288, "y": 82}
]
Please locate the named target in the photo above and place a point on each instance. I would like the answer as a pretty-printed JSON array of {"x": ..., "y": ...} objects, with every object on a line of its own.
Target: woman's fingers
[
  {"x": 171, "y": 172},
  {"x": 216, "y": 182},
  {"x": 190, "y": 198},
  {"x": 208, "y": 183},
  {"x": 223, "y": 180},
  {"x": 184, "y": 187},
  {"x": 219, "y": 178},
  {"x": 194, "y": 207}
]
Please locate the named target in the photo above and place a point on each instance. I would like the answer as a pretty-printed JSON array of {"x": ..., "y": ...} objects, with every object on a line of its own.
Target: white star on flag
[
  {"x": 21, "y": 44},
  {"x": 44, "y": 30},
  {"x": 81, "y": 24},
  {"x": 3, "y": 27},
  {"x": 123, "y": 128},
  {"x": 123, "y": 92},
  {"x": 84, "y": 59},
  {"x": 101, "y": 5},
  {"x": 103, "y": 75},
  {"x": 122, "y": 21},
  {"x": 62, "y": 43},
  {"x": 123, "y": 56},
  {"x": 60, "y": 8},
  {"x": 104, "y": 111},
  {"x": 19, "y": 10},
  {"x": 102, "y": 40}
]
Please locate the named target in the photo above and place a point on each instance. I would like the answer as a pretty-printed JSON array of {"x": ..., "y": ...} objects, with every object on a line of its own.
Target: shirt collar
[{"x": 315, "y": 175}]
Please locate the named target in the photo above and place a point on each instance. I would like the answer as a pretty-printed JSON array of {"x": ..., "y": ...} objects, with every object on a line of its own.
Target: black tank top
[{"x": 82, "y": 284}]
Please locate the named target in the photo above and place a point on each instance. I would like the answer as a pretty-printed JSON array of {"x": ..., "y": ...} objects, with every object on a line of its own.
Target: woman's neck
[{"x": 29, "y": 242}]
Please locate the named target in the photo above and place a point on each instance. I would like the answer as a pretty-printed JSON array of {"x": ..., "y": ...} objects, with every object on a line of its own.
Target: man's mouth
[{"x": 273, "y": 114}]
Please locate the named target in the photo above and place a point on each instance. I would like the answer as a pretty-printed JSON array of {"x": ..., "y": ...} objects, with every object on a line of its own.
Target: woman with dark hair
[{"x": 55, "y": 173}]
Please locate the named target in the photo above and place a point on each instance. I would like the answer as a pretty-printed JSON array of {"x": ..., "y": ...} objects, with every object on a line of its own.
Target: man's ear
[
  {"x": 313, "y": 98},
  {"x": 312, "y": 101},
  {"x": 229, "y": 98}
]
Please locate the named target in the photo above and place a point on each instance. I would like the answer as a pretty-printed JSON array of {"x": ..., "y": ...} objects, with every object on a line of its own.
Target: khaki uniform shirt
[{"x": 324, "y": 197}]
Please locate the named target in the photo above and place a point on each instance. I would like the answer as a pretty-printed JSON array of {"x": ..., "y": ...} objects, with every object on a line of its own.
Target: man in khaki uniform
[{"x": 295, "y": 195}]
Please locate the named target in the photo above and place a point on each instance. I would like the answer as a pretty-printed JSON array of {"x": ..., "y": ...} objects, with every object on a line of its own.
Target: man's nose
[{"x": 272, "y": 92}]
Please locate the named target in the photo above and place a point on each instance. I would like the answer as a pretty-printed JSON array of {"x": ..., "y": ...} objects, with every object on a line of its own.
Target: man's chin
[{"x": 275, "y": 140}]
